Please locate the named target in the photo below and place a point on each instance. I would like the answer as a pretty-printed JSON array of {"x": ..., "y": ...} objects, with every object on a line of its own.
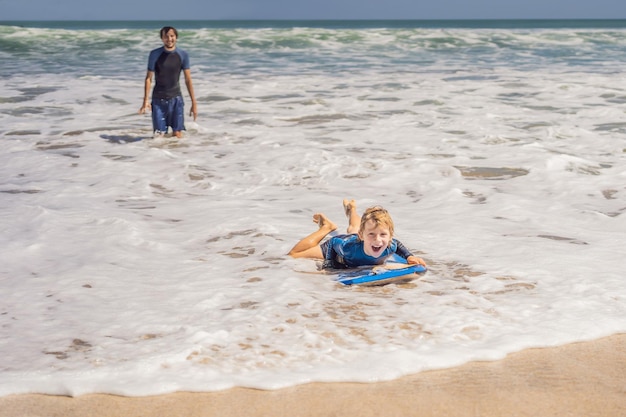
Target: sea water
[{"x": 136, "y": 265}]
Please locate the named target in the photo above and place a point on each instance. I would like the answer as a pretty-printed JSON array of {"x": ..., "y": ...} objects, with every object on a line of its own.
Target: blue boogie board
[{"x": 382, "y": 275}]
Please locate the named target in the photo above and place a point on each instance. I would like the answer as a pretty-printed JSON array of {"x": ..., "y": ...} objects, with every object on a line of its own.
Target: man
[{"x": 165, "y": 65}]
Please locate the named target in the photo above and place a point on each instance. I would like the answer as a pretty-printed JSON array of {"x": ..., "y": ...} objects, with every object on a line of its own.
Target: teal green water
[
  {"x": 119, "y": 48},
  {"x": 330, "y": 24}
]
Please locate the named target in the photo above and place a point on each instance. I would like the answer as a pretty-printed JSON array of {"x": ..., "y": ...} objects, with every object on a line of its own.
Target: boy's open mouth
[{"x": 376, "y": 249}]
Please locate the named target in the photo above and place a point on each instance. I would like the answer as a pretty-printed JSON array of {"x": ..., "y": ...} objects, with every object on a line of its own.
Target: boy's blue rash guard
[
  {"x": 346, "y": 251},
  {"x": 167, "y": 66}
]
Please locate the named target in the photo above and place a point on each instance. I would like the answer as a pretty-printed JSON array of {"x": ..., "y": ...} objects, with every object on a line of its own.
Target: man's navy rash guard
[{"x": 167, "y": 66}]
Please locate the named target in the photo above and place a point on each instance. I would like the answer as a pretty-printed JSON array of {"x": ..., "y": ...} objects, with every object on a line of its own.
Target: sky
[{"x": 309, "y": 9}]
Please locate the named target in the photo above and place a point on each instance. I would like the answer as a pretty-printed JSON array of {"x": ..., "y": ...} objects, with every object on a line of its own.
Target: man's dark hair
[{"x": 166, "y": 29}]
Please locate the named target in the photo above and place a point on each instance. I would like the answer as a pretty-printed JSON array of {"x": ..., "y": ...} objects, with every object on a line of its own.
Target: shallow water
[{"x": 138, "y": 266}]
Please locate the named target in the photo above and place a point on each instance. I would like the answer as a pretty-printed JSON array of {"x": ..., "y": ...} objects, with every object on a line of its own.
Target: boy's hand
[{"x": 414, "y": 260}]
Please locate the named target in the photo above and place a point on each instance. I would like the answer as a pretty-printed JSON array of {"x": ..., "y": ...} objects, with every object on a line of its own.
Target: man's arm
[
  {"x": 189, "y": 83},
  {"x": 146, "y": 93}
]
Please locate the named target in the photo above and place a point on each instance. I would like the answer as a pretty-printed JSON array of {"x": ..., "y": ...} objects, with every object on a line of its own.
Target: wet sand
[{"x": 581, "y": 379}]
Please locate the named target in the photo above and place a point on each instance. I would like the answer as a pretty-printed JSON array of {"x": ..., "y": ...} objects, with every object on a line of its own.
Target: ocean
[{"x": 136, "y": 266}]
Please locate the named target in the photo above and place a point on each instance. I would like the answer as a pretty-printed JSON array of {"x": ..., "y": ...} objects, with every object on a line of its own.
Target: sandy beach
[{"x": 581, "y": 379}]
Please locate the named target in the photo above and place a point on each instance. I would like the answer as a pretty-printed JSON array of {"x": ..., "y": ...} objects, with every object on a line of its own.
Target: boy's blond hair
[{"x": 378, "y": 215}]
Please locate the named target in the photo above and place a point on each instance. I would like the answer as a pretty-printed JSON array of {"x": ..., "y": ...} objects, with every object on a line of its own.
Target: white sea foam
[{"x": 138, "y": 266}]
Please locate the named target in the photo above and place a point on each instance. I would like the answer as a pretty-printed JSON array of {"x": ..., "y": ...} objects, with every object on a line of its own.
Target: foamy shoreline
[
  {"x": 138, "y": 266},
  {"x": 586, "y": 379}
]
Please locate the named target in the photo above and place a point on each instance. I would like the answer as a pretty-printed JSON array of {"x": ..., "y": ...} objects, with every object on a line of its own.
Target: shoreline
[{"x": 579, "y": 379}]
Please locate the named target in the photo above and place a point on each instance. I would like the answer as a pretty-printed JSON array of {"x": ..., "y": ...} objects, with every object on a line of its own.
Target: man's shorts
[{"x": 168, "y": 112}]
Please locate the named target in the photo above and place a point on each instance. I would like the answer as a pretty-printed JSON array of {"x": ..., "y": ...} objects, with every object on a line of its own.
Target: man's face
[{"x": 169, "y": 40}]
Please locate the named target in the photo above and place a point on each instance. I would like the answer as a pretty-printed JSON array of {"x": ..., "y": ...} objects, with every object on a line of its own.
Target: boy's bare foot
[
  {"x": 354, "y": 220},
  {"x": 323, "y": 222},
  {"x": 348, "y": 206}
]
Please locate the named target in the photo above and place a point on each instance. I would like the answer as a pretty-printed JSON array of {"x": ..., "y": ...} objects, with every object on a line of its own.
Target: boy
[
  {"x": 369, "y": 240},
  {"x": 165, "y": 64}
]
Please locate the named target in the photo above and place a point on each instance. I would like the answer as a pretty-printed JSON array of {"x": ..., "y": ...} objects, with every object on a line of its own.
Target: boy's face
[
  {"x": 169, "y": 40},
  {"x": 375, "y": 238}
]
